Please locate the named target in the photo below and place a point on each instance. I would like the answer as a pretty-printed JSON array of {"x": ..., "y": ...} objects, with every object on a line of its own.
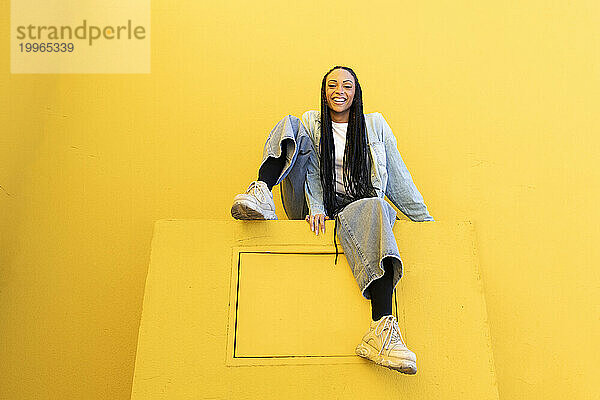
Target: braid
[{"x": 357, "y": 158}]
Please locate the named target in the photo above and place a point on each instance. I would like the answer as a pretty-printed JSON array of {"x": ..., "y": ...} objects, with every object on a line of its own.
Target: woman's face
[{"x": 340, "y": 87}]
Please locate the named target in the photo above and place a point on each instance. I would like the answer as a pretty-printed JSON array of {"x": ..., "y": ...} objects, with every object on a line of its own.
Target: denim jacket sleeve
[
  {"x": 313, "y": 190},
  {"x": 401, "y": 189}
]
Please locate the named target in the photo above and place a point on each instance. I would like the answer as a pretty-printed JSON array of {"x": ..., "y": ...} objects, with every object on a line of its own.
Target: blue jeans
[{"x": 364, "y": 227}]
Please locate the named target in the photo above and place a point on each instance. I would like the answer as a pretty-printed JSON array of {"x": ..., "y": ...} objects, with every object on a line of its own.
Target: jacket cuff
[{"x": 315, "y": 209}]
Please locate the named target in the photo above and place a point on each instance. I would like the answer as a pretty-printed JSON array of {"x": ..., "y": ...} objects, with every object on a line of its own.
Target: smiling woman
[
  {"x": 342, "y": 102},
  {"x": 348, "y": 184},
  {"x": 340, "y": 94}
]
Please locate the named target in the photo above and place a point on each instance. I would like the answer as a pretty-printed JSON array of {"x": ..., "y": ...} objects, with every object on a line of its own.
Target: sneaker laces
[
  {"x": 393, "y": 335},
  {"x": 257, "y": 191}
]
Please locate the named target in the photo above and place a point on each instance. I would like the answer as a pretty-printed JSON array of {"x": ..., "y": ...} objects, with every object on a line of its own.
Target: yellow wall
[
  {"x": 494, "y": 105},
  {"x": 288, "y": 338}
]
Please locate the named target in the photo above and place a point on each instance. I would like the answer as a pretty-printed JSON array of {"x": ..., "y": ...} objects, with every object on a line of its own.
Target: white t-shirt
[{"x": 339, "y": 140}]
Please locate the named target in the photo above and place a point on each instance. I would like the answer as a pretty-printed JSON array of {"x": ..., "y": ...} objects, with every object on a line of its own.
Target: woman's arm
[
  {"x": 401, "y": 189},
  {"x": 313, "y": 189}
]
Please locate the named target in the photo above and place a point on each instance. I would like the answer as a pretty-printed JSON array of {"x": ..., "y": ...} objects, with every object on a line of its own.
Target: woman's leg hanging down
[{"x": 381, "y": 291}]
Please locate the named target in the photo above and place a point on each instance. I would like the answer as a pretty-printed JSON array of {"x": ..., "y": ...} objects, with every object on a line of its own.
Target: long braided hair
[{"x": 357, "y": 158}]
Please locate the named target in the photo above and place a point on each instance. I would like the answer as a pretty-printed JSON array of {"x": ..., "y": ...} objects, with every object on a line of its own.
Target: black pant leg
[
  {"x": 381, "y": 291},
  {"x": 271, "y": 168}
]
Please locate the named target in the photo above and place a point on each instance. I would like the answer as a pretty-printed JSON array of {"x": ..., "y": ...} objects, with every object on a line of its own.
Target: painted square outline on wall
[{"x": 233, "y": 356}]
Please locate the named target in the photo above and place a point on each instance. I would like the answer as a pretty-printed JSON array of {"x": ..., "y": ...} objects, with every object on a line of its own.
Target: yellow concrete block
[{"x": 257, "y": 309}]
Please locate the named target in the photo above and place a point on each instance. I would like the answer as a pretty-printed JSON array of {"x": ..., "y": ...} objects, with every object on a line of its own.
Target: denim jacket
[{"x": 389, "y": 177}]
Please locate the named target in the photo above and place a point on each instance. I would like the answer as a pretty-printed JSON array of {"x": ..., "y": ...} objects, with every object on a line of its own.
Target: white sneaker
[
  {"x": 255, "y": 203},
  {"x": 383, "y": 344}
]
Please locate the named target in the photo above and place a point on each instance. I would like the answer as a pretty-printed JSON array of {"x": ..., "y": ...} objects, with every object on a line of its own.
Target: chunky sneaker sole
[
  {"x": 256, "y": 203},
  {"x": 406, "y": 366},
  {"x": 246, "y": 209}
]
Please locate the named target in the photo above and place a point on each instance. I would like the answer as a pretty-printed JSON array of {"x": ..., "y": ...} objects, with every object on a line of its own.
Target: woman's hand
[{"x": 317, "y": 222}]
